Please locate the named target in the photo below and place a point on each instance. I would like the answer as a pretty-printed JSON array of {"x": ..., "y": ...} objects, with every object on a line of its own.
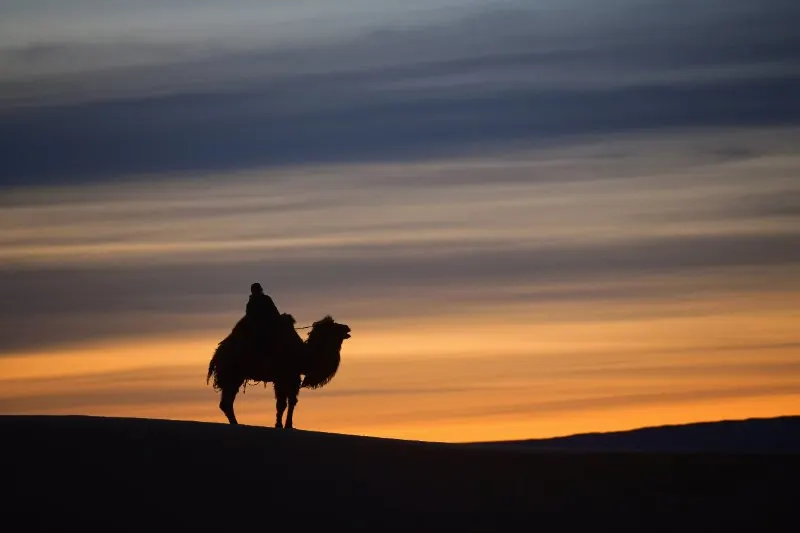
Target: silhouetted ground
[{"x": 78, "y": 473}]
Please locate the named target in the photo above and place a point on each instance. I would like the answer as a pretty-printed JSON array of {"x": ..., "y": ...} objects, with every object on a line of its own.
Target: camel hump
[{"x": 325, "y": 321}]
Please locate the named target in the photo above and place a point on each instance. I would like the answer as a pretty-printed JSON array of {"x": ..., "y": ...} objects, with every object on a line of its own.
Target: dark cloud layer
[
  {"x": 111, "y": 140},
  {"x": 61, "y": 304},
  {"x": 479, "y": 81}
]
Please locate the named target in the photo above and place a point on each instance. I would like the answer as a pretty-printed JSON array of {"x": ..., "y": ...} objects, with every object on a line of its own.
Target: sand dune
[{"x": 113, "y": 474}]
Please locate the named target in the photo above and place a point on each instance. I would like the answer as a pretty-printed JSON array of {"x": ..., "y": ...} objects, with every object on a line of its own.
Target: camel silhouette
[{"x": 289, "y": 365}]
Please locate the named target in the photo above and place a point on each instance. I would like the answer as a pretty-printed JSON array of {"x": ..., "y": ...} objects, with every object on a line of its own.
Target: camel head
[{"x": 329, "y": 329}]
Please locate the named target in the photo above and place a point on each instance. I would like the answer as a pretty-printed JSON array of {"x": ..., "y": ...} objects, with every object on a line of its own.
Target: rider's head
[{"x": 256, "y": 288}]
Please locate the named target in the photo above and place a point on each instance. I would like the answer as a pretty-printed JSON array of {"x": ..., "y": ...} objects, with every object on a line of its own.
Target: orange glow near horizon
[{"x": 466, "y": 379}]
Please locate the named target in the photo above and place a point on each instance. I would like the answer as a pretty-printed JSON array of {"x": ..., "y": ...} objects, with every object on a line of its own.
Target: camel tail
[{"x": 214, "y": 368}]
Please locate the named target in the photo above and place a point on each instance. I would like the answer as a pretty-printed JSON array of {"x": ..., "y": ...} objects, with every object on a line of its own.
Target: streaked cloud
[{"x": 618, "y": 219}]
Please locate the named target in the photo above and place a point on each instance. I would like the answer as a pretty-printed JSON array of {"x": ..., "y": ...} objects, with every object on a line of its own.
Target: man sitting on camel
[
  {"x": 261, "y": 311},
  {"x": 267, "y": 330}
]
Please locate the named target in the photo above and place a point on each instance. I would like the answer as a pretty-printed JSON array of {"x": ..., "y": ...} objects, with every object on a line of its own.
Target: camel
[{"x": 290, "y": 366}]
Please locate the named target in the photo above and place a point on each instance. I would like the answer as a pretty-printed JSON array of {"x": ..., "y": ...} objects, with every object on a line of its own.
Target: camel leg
[
  {"x": 226, "y": 403},
  {"x": 293, "y": 393},
  {"x": 280, "y": 405}
]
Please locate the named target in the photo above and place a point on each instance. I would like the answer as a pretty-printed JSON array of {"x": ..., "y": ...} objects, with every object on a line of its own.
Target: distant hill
[
  {"x": 73, "y": 473},
  {"x": 755, "y": 435}
]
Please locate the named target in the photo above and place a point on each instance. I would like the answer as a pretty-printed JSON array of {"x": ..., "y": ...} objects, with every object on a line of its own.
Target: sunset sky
[{"x": 538, "y": 217}]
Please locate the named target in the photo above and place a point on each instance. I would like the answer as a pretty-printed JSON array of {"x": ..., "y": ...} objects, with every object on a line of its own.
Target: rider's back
[{"x": 261, "y": 309}]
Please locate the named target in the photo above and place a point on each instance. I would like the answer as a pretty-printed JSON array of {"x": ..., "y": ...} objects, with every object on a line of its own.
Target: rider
[
  {"x": 261, "y": 306},
  {"x": 261, "y": 312},
  {"x": 268, "y": 330}
]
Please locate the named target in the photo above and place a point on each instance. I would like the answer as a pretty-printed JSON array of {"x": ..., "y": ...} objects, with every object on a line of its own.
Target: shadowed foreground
[{"x": 117, "y": 474}]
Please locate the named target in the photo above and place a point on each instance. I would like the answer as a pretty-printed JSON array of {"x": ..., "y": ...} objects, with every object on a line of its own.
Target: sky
[{"x": 538, "y": 218}]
